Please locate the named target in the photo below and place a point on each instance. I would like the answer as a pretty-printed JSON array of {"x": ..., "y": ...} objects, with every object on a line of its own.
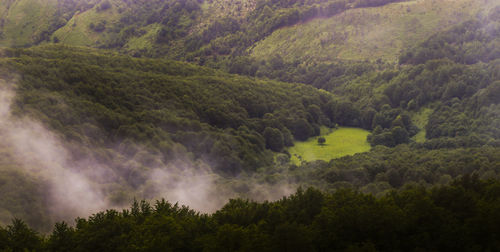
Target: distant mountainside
[
  {"x": 204, "y": 31},
  {"x": 377, "y": 33}
]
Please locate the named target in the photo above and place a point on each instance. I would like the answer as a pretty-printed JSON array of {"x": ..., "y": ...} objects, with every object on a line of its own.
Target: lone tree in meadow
[{"x": 321, "y": 140}]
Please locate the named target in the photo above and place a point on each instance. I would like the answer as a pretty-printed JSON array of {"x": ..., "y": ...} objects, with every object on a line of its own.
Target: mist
[
  {"x": 81, "y": 186},
  {"x": 42, "y": 155}
]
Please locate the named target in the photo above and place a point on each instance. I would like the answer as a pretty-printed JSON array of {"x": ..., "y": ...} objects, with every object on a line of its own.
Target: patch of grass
[
  {"x": 339, "y": 142},
  {"x": 420, "y": 119}
]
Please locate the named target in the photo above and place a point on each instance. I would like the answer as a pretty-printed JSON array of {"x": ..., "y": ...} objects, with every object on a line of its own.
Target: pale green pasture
[{"x": 339, "y": 142}]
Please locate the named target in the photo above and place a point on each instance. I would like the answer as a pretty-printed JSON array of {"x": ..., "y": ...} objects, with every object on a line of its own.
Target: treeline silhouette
[{"x": 462, "y": 216}]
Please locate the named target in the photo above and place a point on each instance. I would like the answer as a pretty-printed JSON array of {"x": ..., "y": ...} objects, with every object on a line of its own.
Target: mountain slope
[
  {"x": 379, "y": 33},
  {"x": 23, "y": 20},
  {"x": 200, "y": 31}
]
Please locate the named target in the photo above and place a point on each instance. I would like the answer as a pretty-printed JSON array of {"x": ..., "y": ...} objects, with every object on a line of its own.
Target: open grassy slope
[
  {"x": 366, "y": 33},
  {"x": 23, "y": 20},
  {"x": 78, "y": 32},
  {"x": 339, "y": 142}
]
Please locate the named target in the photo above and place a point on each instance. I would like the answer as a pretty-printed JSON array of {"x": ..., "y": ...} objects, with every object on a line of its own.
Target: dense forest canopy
[{"x": 460, "y": 217}]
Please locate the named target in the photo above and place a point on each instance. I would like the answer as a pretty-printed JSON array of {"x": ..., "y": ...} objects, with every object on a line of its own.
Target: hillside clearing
[{"x": 339, "y": 142}]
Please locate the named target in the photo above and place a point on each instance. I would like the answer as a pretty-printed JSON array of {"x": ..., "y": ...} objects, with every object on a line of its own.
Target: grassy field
[
  {"x": 339, "y": 142},
  {"x": 366, "y": 33},
  {"x": 420, "y": 119}
]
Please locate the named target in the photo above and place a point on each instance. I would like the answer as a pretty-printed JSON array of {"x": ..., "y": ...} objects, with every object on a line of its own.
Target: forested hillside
[
  {"x": 170, "y": 106},
  {"x": 454, "y": 73},
  {"x": 192, "y": 103},
  {"x": 132, "y": 118}
]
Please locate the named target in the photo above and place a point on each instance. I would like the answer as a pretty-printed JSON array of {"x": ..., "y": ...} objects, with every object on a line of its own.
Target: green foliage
[
  {"x": 274, "y": 139},
  {"x": 98, "y": 98},
  {"x": 457, "y": 217},
  {"x": 19, "y": 237},
  {"x": 468, "y": 43},
  {"x": 384, "y": 168},
  {"x": 391, "y": 127},
  {"x": 61, "y": 238}
]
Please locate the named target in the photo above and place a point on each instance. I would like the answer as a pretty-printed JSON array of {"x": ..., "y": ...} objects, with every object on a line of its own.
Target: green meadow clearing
[{"x": 339, "y": 142}]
